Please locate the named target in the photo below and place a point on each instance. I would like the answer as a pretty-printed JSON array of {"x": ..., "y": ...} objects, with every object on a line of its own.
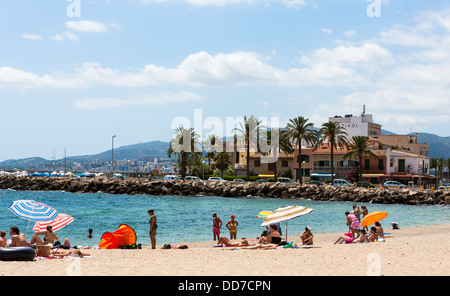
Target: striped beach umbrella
[
  {"x": 59, "y": 222},
  {"x": 285, "y": 214},
  {"x": 33, "y": 211}
]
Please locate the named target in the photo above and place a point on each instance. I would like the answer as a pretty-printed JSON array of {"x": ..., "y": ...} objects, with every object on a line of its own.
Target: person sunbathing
[
  {"x": 49, "y": 237},
  {"x": 348, "y": 238},
  {"x": 261, "y": 246},
  {"x": 373, "y": 234},
  {"x": 17, "y": 239},
  {"x": 307, "y": 236},
  {"x": 72, "y": 253},
  {"x": 224, "y": 241}
]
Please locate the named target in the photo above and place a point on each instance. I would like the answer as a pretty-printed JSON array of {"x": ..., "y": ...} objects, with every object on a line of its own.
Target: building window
[
  {"x": 284, "y": 163},
  {"x": 305, "y": 158},
  {"x": 322, "y": 163},
  {"x": 271, "y": 166},
  {"x": 257, "y": 163},
  {"x": 380, "y": 164},
  {"x": 367, "y": 164}
]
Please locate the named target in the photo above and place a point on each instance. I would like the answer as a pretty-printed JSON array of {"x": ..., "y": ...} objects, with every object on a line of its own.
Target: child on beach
[{"x": 232, "y": 227}]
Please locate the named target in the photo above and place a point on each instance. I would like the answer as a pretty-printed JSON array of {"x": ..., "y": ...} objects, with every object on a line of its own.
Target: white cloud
[
  {"x": 32, "y": 36},
  {"x": 65, "y": 36},
  {"x": 327, "y": 31},
  {"x": 338, "y": 66},
  {"x": 151, "y": 99},
  {"x": 86, "y": 26},
  {"x": 350, "y": 33}
]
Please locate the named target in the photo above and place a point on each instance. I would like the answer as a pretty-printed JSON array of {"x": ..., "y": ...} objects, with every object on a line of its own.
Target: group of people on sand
[
  {"x": 49, "y": 246},
  {"x": 358, "y": 234},
  {"x": 269, "y": 239},
  {"x": 232, "y": 226}
]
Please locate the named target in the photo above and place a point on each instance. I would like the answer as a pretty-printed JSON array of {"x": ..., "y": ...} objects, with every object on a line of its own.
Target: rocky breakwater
[{"x": 227, "y": 189}]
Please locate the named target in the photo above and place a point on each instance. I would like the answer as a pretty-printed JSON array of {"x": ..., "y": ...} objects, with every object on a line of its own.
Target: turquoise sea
[{"x": 189, "y": 219}]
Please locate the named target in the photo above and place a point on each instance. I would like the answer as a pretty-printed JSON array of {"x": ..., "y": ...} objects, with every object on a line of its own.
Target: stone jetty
[{"x": 227, "y": 189}]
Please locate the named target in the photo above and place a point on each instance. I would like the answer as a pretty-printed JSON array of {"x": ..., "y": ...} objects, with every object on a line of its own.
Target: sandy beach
[{"x": 414, "y": 251}]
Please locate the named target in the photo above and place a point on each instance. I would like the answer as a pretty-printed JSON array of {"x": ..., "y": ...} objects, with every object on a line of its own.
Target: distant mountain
[
  {"x": 438, "y": 146},
  {"x": 135, "y": 151}
]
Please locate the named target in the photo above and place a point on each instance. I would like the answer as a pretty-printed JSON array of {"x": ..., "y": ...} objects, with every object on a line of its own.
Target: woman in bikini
[
  {"x": 49, "y": 237},
  {"x": 232, "y": 227}
]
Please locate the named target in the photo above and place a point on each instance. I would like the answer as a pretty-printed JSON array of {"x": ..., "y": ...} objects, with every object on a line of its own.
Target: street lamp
[{"x": 112, "y": 156}]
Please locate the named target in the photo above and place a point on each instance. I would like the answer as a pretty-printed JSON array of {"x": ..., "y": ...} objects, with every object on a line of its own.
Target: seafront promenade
[{"x": 228, "y": 189}]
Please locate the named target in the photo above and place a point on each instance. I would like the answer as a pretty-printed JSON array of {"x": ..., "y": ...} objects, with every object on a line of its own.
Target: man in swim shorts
[{"x": 217, "y": 224}]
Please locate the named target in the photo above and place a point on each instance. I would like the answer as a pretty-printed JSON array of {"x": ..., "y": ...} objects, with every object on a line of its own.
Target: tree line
[{"x": 192, "y": 152}]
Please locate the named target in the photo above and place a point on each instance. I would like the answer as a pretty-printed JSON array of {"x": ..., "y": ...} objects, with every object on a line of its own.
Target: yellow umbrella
[
  {"x": 263, "y": 214},
  {"x": 373, "y": 217}
]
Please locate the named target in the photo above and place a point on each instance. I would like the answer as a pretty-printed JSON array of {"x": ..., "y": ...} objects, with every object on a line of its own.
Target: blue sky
[{"x": 130, "y": 67}]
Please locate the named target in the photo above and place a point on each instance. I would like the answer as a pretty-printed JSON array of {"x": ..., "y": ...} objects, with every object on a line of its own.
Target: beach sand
[{"x": 414, "y": 251}]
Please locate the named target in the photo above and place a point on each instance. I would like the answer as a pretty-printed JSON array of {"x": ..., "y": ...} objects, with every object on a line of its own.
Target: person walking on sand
[
  {"x": 153, "y": 227},
  {"x": 232, "y": 227},
  {"x": 217, "y": 224}
]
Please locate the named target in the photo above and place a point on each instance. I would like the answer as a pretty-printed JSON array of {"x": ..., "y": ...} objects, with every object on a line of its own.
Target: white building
[
  {"x": 400, "y": 162},
  {"x": 358, "y": 125}
]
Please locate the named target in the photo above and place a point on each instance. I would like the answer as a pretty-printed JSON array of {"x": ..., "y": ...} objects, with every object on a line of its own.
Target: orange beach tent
[{"x": 123, "y": 236}]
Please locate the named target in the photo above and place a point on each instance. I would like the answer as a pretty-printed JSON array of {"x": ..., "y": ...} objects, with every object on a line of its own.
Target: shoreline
[
  {"x": 411, "y": 251},
  {"x": 228, "y": 189}
]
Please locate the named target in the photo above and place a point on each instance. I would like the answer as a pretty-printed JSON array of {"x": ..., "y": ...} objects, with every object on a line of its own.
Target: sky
[{"x": 73, "y": 73}]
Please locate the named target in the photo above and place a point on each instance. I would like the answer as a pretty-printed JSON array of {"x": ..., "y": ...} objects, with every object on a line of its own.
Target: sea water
[{"x": 189, "y": 219}]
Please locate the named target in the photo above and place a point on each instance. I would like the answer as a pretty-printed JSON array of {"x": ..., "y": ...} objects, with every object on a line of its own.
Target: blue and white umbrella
[{"x": 33, "y": 211}]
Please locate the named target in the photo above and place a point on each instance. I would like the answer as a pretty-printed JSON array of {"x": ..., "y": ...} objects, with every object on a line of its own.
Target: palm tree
[
  {"x": 300, "y": 129},
  {"x": 359, "y": 147},
  {"x": 222, "y": 161},
  {"x": 249, "y": 134},
  {"x": 185, "y": 143},
  {"x": 212, "y": 142},
  {"x": 335, "y": 135},
  {"x": 284, "y": 146}
]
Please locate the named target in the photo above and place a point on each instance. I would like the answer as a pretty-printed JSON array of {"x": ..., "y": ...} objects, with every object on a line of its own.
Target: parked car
[
  {"x": 342, "y": 182},
  {"x": 239, "y": 180},
  {"x": 171, "y": 177},
  {"x": 285, "y": 180},
  {"x": 365, "y": 184},
  {"x": 315, "y": 182},
  {"x": 154, "y": 178},
  {"x": 445, "y": 186},
  {"x": 192, "y": 178},
  {"x": 393, "y": 184},
  {"x": 217, "y": 179},
  {"x": 261, "y": 181}
]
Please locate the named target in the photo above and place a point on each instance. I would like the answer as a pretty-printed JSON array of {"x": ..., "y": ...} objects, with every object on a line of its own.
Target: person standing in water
[
  {"x": 232, "y": 227},
  {"x": 153, "y": 227}
]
